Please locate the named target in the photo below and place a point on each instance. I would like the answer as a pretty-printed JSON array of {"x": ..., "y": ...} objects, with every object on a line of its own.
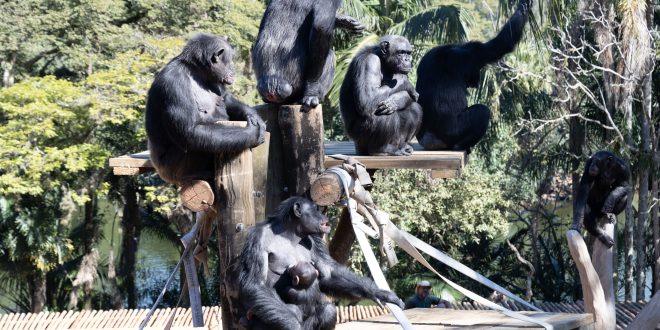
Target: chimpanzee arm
[
  {"x": 507, "y": 39},
  {"x": 261, "y": 300},
  {"x": 622, "y": 189},
  {"x": 336, "y": 280},
  {"x": 371, "y": 93},
  {"x": 181, "y": 120},
  {"x": 582, "y": 195},
  {"x": 320, "y": 38},
  {"x": 239, "y": 110}
]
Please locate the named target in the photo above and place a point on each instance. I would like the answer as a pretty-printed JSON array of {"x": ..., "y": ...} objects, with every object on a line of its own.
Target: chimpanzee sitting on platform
[
  {"x": 603, "y": 192},
  {"x": 377, "y": 102},
  {"x": 443, "y": 76},
  {"x": 293, "y": 235},
  {"x": 185, "y": 101}
]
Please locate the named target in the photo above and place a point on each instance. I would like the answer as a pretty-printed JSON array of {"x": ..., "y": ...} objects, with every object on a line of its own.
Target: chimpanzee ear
[
  {"x": 297, "y": 210},
  {"x": 295, "y": 280},
  {"x": 385, "y": 47}
]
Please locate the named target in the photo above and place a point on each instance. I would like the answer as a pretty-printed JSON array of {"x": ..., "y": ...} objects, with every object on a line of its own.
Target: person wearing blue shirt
[{"x": 423, "y": 298}]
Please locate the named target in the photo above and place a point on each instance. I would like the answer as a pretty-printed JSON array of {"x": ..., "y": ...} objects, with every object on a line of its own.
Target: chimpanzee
[
  {"x": 292, "y": 56},
  {"x": 443, "y": 76},
  {"x": 184, "y": 103},
  {"x": 377, "y": 102},
  {"x": 603, "y": 192},
  {"x": 298, "y": 286},
  {"x": 293, "y": 234}
]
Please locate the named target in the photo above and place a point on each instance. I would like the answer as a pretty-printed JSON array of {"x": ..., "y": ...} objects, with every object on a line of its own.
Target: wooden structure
[
  {"x": 444, "y": 318},
  {"x": 131, "y": 318},
  {"x": 443, "y": 164}
]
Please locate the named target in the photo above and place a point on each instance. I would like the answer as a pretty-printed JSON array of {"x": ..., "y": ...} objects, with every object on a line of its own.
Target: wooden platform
[
  {"x": 445, "y": 164},
  {"x": 441, "y": 318}
]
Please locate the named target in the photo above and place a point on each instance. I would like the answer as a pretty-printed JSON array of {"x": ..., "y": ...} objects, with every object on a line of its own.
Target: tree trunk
[
  {"x": 37, "y": 283},
  {"x": 628, "y": 247},
  {"x": 8, "y": 71},
  {"x": 131, "y": 227},
  {"x": 643, "y": 201}
]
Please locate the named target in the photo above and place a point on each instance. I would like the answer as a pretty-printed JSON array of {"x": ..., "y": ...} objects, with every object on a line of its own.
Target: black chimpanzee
[
  {"x": 292, "y": 56},
  {"x": 184, "y": 103},
  {"x": 603, "y": 192},
  {"x": 293, "y": 234},
  {"x": 443, "y": 76},
  {"x": 298, "y": 286},
  {"x": 377, "y": 102}
]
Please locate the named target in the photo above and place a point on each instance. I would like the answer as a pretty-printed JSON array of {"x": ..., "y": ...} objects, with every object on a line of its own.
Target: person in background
[{"x": 423, "y": 298}]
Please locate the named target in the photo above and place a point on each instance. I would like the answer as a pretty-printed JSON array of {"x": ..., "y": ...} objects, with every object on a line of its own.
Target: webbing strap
[{"x": 410, "y": 243}]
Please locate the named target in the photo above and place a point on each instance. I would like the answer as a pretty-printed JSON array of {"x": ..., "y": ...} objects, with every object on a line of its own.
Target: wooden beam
[
  {"x": 602, "y": 259},
  {"x": 649, "y": 317}
]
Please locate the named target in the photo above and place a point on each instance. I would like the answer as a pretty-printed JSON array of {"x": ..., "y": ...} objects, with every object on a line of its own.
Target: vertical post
[
  {"x": 302, "y": 138},
  {"x": 602, "y": 259},
  {"x": 260, "y": 163},
  {"x": 274, "y": 165},
  {"x": 234, "y": 184}
]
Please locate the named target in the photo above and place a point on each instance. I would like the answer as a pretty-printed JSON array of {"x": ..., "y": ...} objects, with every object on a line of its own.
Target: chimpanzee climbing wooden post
[{"x": 234, "y": 194}]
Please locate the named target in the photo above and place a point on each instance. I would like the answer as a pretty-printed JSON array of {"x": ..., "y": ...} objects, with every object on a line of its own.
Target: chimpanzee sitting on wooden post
[
  {"x": 377, "y": 102},
  {"x": 293, "y": 235},
  {"x": 603, "y": 192},
  {"x": 185, "y": 102},
  {"x": 292, "y": 56}
]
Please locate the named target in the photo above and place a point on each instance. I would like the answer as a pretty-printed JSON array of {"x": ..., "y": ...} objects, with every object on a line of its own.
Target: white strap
[{"x": 374, "y": 267}]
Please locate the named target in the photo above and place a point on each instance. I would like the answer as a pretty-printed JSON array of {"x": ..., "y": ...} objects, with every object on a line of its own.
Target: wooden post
[
  {"x": 235, "y": 215},
  {"x": 274, "y": 165},
  {"x": 602, "y": 259},
  {"x": 594, "y": 298},
  {"x": 302, "y": 138},
  {"x": 260, "y": 176}
]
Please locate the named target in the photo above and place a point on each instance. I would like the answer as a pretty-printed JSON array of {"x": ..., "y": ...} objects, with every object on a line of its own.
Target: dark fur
[
  {"x": 292, "y": 56},
  {"x": 185, "y": 100},
  {"x": 443, "y": 76},
  {"x": 377, "y": 102},
  {"x": 257, "y": 280},
  {"x": 604, "y": 190}
]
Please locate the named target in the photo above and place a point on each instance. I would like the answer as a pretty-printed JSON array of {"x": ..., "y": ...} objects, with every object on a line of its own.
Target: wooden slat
[
  {"x": 440, "y": 318},
  {"x": 444, "y": 164}
]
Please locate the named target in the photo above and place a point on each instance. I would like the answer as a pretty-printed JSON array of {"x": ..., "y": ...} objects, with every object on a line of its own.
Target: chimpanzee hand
[
  {"x": 386, "y": 107},
  {"x": 385, "y": 296},
  {"x": 349, "y": 23},
  {"x": 414, "y": 95},
  {"x": 611, "y": 217},
  {"x": 257, "y": 124}
]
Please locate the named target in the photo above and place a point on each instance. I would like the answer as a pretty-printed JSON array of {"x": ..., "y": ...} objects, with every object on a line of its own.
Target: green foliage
[
  {"x": 452, "y": 212},
  {"x": 45, "y": 136}
]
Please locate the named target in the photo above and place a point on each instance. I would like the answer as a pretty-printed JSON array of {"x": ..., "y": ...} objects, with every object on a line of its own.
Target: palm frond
[{"x": 436, "y": 25}]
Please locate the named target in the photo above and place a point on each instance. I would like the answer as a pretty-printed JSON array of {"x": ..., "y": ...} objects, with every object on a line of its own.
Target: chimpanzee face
[
  {"x": 310, "y": 220},
  {"x": 605, "y": 165},
  {"x": 302, "y": 274},
  {"x": 397, "y": 54},
  {"x": 222, "y": 65}
]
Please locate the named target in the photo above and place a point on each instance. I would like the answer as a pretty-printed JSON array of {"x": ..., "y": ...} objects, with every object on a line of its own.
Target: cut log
[
  {"x": 602, "y": 259},
  {"x": 649, "y": 317}
]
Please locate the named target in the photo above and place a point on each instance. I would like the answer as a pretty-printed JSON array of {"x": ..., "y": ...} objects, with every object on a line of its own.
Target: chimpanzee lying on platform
[
  {"x": 603, "y": 192},
  {"x": 293, "y": 235},
  {"x": 185, "y": 101}
]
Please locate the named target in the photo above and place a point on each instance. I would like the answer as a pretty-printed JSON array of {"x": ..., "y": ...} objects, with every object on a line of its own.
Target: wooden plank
[{"x": 441, "y": 318}]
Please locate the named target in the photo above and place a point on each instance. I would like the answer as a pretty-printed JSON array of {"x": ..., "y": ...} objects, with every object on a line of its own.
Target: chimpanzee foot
[
  {"x": 607, "y": 240},
  {"x": 576, "y": 226},
  {"x": 408, "y": 149},
  {"x": 309, "y": 102}
]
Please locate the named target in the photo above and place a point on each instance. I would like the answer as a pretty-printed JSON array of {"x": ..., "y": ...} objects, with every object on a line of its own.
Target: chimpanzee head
[
  {"x": 302, "y": 215},
  {"x": 395, "y": 53},
  {"x": 212, "y": 55},
  {"x": 604, "y": 163},
  {"x": 302, "y": 274}
]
